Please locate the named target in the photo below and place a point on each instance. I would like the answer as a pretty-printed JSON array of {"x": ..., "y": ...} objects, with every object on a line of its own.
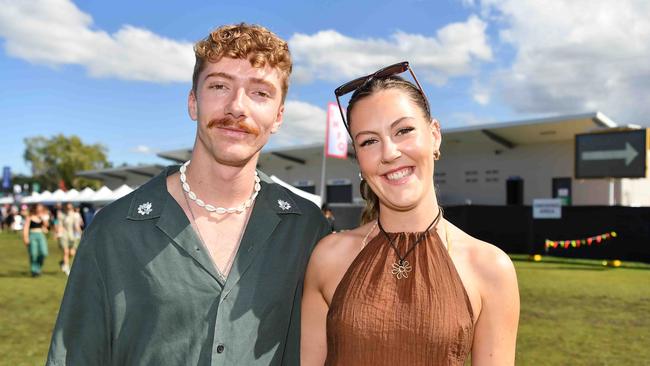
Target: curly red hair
[{"x": 255, "y": 43}]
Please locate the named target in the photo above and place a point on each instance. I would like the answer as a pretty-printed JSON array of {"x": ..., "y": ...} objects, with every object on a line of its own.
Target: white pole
[
  {"x": 323, "y": 193},
  {"x": 611, "y": 192}
]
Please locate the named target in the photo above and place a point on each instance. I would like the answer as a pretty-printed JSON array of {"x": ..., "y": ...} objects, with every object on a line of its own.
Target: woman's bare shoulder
[
  {"x": 340, "y": 242},
  {"x": 336, "y": 248},
  {"x": 486, "y": 260}
]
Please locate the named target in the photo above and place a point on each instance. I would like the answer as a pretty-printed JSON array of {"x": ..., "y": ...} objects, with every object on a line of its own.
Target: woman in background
[
  {"x": 34, "y": 232},
  {"x": 69, "y": 221}
]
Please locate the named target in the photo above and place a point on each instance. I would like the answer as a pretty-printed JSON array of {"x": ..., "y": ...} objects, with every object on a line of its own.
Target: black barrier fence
[{"x": 513, "y": 229}]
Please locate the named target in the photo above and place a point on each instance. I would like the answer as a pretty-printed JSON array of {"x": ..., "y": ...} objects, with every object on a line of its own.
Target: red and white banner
[{"x": 336, "y": 136}]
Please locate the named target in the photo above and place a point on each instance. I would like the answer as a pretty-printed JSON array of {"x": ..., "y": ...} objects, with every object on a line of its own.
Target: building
[{"x": 493, "y": 164}]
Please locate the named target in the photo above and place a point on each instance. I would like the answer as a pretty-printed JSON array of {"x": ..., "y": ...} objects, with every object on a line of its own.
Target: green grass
[
  {"x": 573, "y": 312},
  {"x": 579, "y": 312},
  {"x": 28, "y": 306}
]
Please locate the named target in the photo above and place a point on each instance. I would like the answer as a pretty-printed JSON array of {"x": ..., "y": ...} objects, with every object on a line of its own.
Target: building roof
[
  {"x": 524, "y": 132},
  {"x": 502, "y": 135},
  {"x": 125, "y": 174}
]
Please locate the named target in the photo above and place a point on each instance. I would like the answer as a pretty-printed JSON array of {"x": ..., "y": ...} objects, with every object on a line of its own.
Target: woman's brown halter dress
[{"x": 377, "y": 319}]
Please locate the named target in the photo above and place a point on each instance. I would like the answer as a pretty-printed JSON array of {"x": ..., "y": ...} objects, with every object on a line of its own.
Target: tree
[{"x": 59, "y": 158}]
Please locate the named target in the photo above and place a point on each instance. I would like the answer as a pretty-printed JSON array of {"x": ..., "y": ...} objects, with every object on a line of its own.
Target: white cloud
[
  {"x": 56, "y": 32},
  {"x": 463, "y": 119},
  {"x": 480, "y": 93},
  {"x": 303, "y": 124},
  {"x": 330, "y": 55},
  {"x": 574, "y": 56},
  {"x": 143, "y": 149}
]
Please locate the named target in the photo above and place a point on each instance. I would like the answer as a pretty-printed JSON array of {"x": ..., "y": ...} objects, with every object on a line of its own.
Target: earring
[
  {"x": 436, "y": 155},
  {"x": 360, "y": 176}
]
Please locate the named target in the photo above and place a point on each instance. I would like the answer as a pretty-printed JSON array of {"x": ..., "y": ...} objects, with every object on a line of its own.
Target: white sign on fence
[{"x": 547, "y": 208}]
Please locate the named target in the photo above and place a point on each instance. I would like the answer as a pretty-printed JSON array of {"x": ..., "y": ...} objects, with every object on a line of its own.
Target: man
[{"x": 201, "y": 266}]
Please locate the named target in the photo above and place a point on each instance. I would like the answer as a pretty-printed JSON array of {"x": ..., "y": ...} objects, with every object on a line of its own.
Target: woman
[
  {"x": 69, "y": 229},
  {"x": 34, "y": 232},
  {"x": 407, "y": 287}
]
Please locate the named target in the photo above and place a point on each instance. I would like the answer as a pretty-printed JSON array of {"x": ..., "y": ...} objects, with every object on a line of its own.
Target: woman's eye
[
  {"x": 367, "y": 142},
  {"x": 404, "y": 130}
]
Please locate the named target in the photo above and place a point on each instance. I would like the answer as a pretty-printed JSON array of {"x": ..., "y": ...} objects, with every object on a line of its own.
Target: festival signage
[
  {"x": 336, "y": 136},
  {"x": 618, "y": 154}
]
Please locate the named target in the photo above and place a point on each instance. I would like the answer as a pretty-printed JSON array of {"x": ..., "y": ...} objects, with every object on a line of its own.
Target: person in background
[
  {"x": 58, "y": 210},
  {"x": 4, "y": 212},
  {"x": 69, "y": 229},
  {"x": 34, "y": 238},
  {"x": 17, "y": 217},
  {"x": 329, "y": 215}
]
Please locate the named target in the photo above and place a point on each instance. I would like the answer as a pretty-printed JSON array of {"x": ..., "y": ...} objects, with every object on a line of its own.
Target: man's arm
[
  {"x": 293, "y": 349},
  {"x": 81, "y": 335}
]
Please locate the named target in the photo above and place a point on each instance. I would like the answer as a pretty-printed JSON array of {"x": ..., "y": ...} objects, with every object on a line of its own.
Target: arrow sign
[{"x": 629, "y": 153}]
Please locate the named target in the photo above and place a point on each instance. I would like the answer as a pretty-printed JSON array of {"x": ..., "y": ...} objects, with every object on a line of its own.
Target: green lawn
[{"x": 573, "y": 312}]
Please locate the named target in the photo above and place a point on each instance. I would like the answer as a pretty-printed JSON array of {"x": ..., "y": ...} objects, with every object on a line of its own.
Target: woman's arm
[
  {"x": 313, "y": 338},
  {"x": 495, "y": 334},
  {"x": 28, "y": 220}
]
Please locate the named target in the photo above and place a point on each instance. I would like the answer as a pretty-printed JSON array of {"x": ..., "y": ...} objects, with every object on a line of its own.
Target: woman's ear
[{"x": 435, "y": 131}]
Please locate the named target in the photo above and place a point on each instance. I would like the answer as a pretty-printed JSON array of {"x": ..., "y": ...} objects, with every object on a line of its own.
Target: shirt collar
[{"x": 149, "y": 200}]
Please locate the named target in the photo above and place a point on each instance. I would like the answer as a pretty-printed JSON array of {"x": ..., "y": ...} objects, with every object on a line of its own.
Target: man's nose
[{"x": 236, "y": 106}]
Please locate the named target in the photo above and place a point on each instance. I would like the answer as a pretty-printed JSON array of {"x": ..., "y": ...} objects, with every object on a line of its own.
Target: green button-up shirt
[{"x": 144, "y": 291}]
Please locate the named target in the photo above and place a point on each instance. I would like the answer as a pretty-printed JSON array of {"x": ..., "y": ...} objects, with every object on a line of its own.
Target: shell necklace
[{"x": 210, "y": 208}]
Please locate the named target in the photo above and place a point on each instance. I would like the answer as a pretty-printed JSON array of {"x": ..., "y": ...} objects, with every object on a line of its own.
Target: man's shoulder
[
  {"x": 288, "y": 201},
  {"x": 144, "y": 202}
]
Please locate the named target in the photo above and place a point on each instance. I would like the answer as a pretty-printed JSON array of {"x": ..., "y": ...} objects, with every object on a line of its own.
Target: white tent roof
[
  {"x": 312, "y": 197},
  {"x": 85, "y": 195},
  {"x": 103, "y": 194},
  {"x": 31, "y": 199},
  {"x": 6, "y": 200},
  {"x": 121, "y": 191},
  {"x": 45, "y": 196},
  {"x": 71, "y": 195},
  {"x": 58, "y": 196}
]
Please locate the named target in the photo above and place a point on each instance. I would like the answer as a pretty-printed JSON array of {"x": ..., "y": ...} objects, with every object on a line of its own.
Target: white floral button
[
  {"x": 284, "y": 205},
  {"x": 145, "y": 209}
]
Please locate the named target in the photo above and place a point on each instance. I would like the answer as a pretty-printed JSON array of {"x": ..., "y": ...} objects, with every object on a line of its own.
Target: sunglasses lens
[
  {"x": 356, "y": 83},
  {"x": 392, "y": 70},
  {"x": 350, "y": 86}
]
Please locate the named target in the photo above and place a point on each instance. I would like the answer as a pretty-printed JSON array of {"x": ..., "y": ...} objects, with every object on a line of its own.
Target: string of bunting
[{"x": 577, "y": 243}]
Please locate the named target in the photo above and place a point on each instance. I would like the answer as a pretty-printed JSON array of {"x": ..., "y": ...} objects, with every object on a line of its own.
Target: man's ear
[
  {"x": 278, "y": 119},
  {"x": 437, "y": 135},
  {"x": 192, "y": 108}
]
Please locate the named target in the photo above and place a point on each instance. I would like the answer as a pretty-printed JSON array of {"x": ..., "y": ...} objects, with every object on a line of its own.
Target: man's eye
[
  {"x": 404, "y": 130},
  {"x": 262, "y": 93},
  {"x": 217, "y": 86}
]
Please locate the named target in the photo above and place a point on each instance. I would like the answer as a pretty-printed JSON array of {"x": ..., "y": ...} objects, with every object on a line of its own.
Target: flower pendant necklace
[{"x": 401, "y": 268}]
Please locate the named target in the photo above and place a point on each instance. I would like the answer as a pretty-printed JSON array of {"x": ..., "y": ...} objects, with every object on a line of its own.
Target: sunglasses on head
[{"x": 355, "y": 84}]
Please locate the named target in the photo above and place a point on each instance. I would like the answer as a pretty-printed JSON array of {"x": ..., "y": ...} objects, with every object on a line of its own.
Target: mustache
[{"x": 235, "y": 123}]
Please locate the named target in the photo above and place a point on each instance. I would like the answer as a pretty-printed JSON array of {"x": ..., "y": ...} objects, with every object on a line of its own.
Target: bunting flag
[{"x": 577, "y": 243}]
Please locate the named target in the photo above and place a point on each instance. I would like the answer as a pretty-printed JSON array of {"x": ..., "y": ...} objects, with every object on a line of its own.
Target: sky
[{"x": 118, "y": 72}]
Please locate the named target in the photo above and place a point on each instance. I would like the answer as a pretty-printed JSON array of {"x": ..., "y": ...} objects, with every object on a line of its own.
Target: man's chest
[{"x": 221, "y": 237}]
